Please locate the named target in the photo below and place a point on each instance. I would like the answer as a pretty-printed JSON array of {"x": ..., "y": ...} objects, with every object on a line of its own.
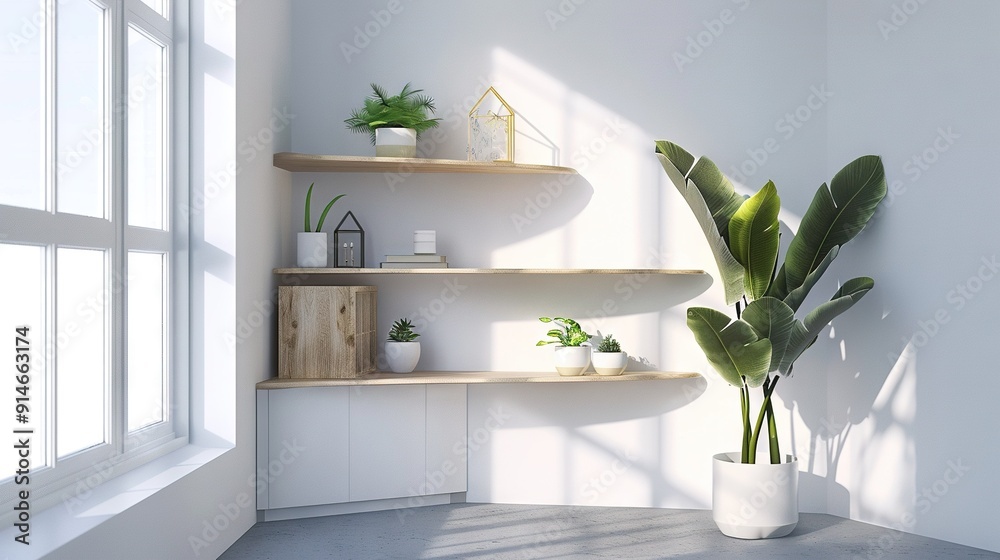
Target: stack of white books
[{"x": 415, "y": 261}]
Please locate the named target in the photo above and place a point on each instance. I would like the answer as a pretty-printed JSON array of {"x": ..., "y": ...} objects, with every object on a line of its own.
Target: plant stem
[
  {"x": 772, "y": 429},
  {"x": 768, "y": 387},
  {"x": 745, "y": 409}
]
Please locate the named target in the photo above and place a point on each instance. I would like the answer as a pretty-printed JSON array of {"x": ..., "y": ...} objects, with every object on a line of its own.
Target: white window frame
[{"x": 73, "y": 477}]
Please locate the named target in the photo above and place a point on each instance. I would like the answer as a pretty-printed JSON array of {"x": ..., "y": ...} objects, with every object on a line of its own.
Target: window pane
[
  {"x": 83, "y": 122},
  {"x": 22, "y": 104},
  {"x": 159, "y": 6},
  {"x": 146, "y": 336},
  {"x": 81, "y": 349},
  {"x": 23, "y": 286},
  {"x": 145, "y": 131}
]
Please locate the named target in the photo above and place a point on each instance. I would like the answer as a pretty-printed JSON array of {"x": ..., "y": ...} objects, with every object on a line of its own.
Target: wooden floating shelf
[
  {"x": 472, "y": 377},
  {"x": 292, "y": 161},
  {"x": 442, "y": 271}
]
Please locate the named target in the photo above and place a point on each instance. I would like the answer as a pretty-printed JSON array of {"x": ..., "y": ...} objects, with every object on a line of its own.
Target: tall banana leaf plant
[{"x": 761, "y": 345}]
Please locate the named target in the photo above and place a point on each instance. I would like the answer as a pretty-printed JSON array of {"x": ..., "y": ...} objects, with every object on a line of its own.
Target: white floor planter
[
  {"x": 759, "y": 501},
  {"x": 311, "y": 249},
  {"x": 402, "y": 356},
  {"x": 572, "y": 360},
  {"x": 609, "y": 363},
  {"x": 395, "y": 142}
]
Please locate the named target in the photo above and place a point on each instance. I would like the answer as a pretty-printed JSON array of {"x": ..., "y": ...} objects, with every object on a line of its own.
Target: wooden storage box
[{"x": 326, "y": 331}]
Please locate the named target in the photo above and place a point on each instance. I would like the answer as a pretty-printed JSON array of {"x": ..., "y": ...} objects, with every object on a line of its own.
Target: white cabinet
[
  {"x": 447, "y": 444},
  {"x": 307, "y": 444},
  {"x": 387, "y": 441},
  {"x": 319, "y": 446}
]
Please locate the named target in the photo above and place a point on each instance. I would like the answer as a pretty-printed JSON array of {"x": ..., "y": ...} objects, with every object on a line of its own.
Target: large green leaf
[
  {"x": 804, "y": 332},
  {"x": 719, "y": 194},
  {"x": 678, "y": 156},
  {"x": 795, "y": 298},
  {"x": 754, "y": 239},
  {"x": 772, "y": 319},
  {"x": 730, "y": 269},
  {"x": 733, "y": 348},
  {"x": 835, "y": 216}
]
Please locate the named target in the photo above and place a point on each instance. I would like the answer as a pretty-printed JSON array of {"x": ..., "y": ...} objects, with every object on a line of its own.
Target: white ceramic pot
[
  {"x": 311, "y": 249},
  {"x": 402, "y": 356},
  {"x": 609, "y": 363},
  {"x": 572, "y": 360},
  {"x": 759, "y": 501},
  {"x": 395, "y": 142}
]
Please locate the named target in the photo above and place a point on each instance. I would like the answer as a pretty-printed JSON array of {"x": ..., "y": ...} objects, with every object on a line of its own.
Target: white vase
[
  {"x": 402, "y": 356},
  {"x": 572, "y": 360},
  {"x": 395, "y": 142},
  {"x": 758, "y": 501},
  {"x": 311, "y": 249},
  {"x": 609, "y": 363}
]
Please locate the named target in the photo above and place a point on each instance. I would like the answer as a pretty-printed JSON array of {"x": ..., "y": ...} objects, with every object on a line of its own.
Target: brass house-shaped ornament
[{"x": 491, "y": 129}]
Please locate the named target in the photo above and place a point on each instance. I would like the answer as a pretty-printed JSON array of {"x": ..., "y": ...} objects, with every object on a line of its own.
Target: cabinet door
[
  {"x": 387, "y": 441},
  {"x": 447, "y": 461},
  {"x": 307, "y": 446}
]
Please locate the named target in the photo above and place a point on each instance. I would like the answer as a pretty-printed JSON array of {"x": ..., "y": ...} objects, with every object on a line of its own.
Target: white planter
[
  {"x": 402, "y": 356},
  {"x": 572, "y": 360},
  {"x": 311, "y": 251},
  {"x": 609, "y": 363},
  {"x": 395, "y": 142},
  {"x": 759, "y": 501}
]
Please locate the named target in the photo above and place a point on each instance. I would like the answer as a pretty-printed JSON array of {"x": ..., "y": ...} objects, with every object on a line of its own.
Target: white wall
[
  {"x": 782, "y": 90},
  {"x": 915, "y": 390}
]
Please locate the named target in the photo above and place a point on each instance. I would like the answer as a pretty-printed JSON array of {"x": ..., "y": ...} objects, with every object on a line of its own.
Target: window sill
[{"x": 63, "y": 522}]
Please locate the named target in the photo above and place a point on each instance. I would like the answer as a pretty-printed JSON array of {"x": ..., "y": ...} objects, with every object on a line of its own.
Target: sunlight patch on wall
[
  {"x": 886, "y": 479},
  {"x": 558, "y": 125}
]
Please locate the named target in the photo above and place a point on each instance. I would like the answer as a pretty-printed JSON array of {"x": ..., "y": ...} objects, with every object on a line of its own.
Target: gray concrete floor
[{"x": 498, "y": 531}]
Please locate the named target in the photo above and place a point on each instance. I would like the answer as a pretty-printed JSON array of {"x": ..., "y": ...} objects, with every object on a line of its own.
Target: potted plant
[
  {"x": 572, "y": 354},
  {"x": 393, "y": 122},
  {"x": 759, "y": 347},
  {"x": 311, "y": 245},
  {"x": 608, "y": 358},
  {"x": 402, "y": 351}
]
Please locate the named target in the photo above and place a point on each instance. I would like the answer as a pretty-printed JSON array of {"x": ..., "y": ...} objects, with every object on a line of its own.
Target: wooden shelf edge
[
  {"x": 471, "y": 377},
  {"x": 298, "y": 162},
  {"x": 432, "y": 271}
]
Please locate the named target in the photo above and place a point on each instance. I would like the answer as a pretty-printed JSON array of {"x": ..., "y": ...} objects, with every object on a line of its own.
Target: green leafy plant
[
  {"x": 402, "y": 331},
  {"x": 408, "y": 109},
  {"x": 609, "y": 344},
  {"x": 569, "y": 333},
  {"x": 761, "y": 345},
  {"x": 322, "y": 217}
]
